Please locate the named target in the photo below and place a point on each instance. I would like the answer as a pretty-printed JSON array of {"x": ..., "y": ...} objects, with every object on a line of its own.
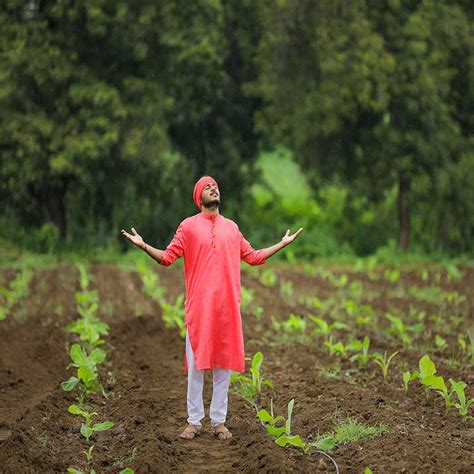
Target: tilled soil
[{"x": 146, "y": 386}]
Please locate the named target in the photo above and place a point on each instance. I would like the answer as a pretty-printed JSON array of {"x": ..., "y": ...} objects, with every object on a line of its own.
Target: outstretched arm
[
  {"x": 286, "y": 240},
  {"x": 137, "y": 240}
]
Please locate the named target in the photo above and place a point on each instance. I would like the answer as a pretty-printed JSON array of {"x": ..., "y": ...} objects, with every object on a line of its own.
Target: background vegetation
[{"x": 353, "y": 119}]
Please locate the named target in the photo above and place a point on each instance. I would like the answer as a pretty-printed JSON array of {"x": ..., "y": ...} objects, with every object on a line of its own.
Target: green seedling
[
  {"x": 88, "y": 428},
  {"x": 88, "y": 453},
  {"x": 463, "y": 404},
  {"x": 432, "y": 381},
  {"x": 87, "y": 376},
  {"x": 246, "y": 304},
  {"x": 467, "y": 345},
  {"x": 19, "y": 288},
  {"x": 324, "y": 328},
  {"x": 250, "y": 388},
  {"x": 383, "y": 362},
  {"x": 338, "y": 348},
  {"x": 75, "y": 470},
  {"x": 294, "y": 324},
  {"x": 151, "y": 283},
  {"x": 268, "y": 278},
  {"x": 400, "y": 329},
  {"x": 174, "y": 315},
  {"x": 409, "y": 377},
  {"x": 440, "y": 343},
  {"x": 282, "y": 434},
  {"x": 391, "y": 276},
  {"x": 286, "y": 290},
  {"x": 364, "y": 357}
]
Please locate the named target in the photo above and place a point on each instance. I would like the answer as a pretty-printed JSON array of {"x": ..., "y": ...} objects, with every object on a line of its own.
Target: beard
[{"x": 211, "y": 203}]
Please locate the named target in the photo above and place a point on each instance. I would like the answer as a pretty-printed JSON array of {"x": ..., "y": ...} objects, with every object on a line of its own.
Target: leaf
[
  {"x": 86, "y": 375},
  {"x": 70, "y": 384},
  {"x": 291, "y": 404},
  {"x": 103, "y": 426},
  {"x": 264, "y": 416},
  {"x": 436, "y": 382},
  {"x": 74, "y": 470},
  {"x": 325, "y": 444},
  {"x": 86, "y": 431},
  {"x": 284, "y": 440},
  {"x": 75, "y": 410},
  {"x": 427, "y": 367},
  {"x": 78, "y": 356},
  {"x": 275, "y": 432},
  {"x": 257, "y": 361},
  {"x": 97, "y": 356},
  {"x": 127, "y": 470}
]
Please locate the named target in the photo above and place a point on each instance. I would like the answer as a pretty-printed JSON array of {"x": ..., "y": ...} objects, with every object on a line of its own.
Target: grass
[{"x": 349, "y": 430}]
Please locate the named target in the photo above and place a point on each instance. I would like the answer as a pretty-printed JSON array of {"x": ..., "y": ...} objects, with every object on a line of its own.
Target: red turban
[{"x": 199, "y": 187}]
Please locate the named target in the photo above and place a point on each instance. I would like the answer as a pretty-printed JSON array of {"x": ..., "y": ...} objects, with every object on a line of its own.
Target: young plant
[
  {"x": 463, "y": 405},
  {"x": 268, "y": 277},
  {"x": 324, "y": 328},
  {"x": 383, "y": 362},
  {"x": 88, "y": 428},
  {"x": 432, "y": 381},
  {"x": 408, "y": 377},
  {"x": 440, "y": 342},
  {"x": 364, "y": 357},
  {"x": 294, "y": 324},
  {"x": 151, "y": 283},
  {"x": 87, "y": 376},
  {"x": 19, "y": 288},
  {"x": 400, "y": 329},
  {"x": 174, "y": 315},
  {"x": 282, "y": 434},
  {"x": 250, "y": 388}
]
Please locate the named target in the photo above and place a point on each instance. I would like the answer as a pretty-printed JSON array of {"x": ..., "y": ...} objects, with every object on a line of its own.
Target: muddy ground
[{"x": 146, "y": 383}]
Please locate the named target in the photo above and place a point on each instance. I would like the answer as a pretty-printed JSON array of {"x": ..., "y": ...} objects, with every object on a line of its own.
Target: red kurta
[{"x": 213, "y": 247}]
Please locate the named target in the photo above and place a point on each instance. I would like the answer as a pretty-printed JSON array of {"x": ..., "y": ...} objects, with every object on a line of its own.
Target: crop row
[{"x": 86, "y": 357}]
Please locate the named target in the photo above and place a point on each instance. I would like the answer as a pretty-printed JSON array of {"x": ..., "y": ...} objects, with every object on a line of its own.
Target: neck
[{"x": 213, "y": 211}]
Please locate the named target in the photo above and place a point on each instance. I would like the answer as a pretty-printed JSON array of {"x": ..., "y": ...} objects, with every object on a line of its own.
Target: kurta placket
[{"x": 212, "y": 247}]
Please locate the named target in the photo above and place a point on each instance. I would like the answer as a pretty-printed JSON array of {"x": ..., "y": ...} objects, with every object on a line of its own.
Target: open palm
[
  {"x": 287, "y": 238},
  {"x": 135, "y": 238}
]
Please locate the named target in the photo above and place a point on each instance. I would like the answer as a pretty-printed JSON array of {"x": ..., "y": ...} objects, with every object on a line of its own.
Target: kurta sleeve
[
  {"x": 175, "y": 248},
  {"x": 249, "y": 255}
]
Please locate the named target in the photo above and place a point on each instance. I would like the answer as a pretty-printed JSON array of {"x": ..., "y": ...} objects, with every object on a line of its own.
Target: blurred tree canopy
[{"x": 112, "y": 110}]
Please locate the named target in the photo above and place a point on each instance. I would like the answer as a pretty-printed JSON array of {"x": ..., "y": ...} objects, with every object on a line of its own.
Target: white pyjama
[{"x": 220, "y": 387}]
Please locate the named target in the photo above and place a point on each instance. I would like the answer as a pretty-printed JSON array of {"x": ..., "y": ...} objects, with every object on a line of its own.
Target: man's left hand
[{"x": 287, "y": 238}]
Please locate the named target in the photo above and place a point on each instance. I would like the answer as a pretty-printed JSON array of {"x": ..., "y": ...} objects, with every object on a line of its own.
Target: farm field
[{"x": 309, "y": 322}]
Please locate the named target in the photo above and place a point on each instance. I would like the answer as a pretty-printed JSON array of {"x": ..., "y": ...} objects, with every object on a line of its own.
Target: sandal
[
  {"x": 193, "y": 429},
  {"x": 221, "y": 432}
]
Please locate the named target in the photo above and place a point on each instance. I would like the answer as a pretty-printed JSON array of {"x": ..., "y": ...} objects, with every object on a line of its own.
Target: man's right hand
[{"x": 136, "y": 239}]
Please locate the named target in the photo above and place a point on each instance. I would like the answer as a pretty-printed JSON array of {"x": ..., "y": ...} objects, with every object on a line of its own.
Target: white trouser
[{"x": 220, "y": 387}]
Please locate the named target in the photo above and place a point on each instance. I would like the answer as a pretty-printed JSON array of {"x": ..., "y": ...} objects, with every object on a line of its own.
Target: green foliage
[
  {"x": 174, "y": 315},
  {"x": 408, "y": 377},
  {"x": 352, "y": 431},
  {"x": 88, "y": 428},
  {"x": 18, "y": 289},
  {"x": 384, "y": 362},
  {"x": 250, "y": 388},
  {"x": 282, "y": 434},
  {"x": 87, "y": 376}
]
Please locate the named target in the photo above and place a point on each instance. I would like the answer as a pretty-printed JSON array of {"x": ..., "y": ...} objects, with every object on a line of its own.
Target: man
[{"x": 212, "y": 246}]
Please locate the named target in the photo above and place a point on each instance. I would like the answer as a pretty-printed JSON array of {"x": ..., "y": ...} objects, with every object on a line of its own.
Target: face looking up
[{"x": 210, "y": 196}]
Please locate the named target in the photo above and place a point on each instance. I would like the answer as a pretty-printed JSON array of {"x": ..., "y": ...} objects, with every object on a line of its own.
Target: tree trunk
[{"x": 403, "y": 212}]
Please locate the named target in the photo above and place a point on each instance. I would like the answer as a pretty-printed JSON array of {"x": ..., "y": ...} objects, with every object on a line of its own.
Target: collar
[{"x": 209, "y": 216}]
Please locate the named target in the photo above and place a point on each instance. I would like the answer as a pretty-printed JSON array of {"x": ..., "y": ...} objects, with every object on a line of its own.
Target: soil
[{"x": 146, "y": 385}]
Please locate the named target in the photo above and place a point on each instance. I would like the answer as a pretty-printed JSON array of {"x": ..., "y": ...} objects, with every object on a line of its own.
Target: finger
[
  {"x": 134, "y": 231},
  {"x": 298, "y": 232},
  {"x": 287, "y": 233}
]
